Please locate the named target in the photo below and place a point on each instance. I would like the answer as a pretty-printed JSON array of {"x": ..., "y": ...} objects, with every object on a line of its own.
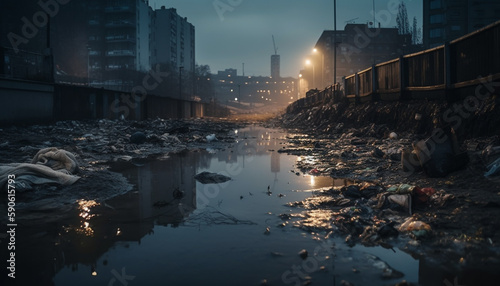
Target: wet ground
[{"x": 138, "y": 216}]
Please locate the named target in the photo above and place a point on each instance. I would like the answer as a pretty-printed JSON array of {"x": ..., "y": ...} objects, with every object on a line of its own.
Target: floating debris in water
[{"x": 303, "y": 254}]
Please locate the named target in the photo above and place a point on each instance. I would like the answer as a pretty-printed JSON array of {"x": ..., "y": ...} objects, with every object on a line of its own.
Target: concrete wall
[
  {"x": 33, "y": 102},
  {"x": 25, "y": 102}
]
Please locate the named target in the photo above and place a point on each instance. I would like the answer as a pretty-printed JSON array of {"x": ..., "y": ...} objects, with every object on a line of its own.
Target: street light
[{"x": 335, "y": 42}]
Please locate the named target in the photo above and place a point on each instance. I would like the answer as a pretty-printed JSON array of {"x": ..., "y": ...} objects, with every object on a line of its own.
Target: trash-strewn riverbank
[
  {"x": 452, "y": 217},
  {"x": 447, "y": 221}
]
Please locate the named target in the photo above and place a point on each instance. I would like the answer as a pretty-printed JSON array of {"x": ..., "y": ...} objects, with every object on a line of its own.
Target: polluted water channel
[{"x": 170, "y": 229}]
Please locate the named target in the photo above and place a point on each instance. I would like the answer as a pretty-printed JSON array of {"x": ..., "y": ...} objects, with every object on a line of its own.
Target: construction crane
[{"x": 274, "y": 44}]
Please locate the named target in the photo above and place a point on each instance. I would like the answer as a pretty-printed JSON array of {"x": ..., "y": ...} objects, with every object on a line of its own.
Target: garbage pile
[
  {"x": 105, "y": 140},
  {"x": 422, "y": 139},
  {"x": 58, "y": 164},
  {"x": 415, "y": 116},
  {"x": 369, "y": 213},
  {"x": 377, "y": 154}
]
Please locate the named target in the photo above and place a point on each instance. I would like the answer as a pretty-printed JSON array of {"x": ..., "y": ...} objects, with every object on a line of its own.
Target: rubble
[
  {"x": 105, "y": 140},
  {"x": 91, "y": 148},
  {"x": 212, "y": 178},
  {"x": 443, "y": 197}
]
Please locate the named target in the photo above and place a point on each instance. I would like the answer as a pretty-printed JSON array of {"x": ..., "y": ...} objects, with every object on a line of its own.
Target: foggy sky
[{"x": 242, "y": 34}]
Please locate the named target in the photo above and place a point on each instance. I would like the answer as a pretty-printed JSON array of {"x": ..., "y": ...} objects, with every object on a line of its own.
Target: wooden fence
[{"x": 450, "y": 71}]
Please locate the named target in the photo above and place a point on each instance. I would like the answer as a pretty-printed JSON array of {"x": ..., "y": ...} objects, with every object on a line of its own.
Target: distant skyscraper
[
  {"x": 275, "y": 66},
  {"x": 445, "y": 20},
  {"x": 118, "y": 41},
  {"x": 173, "y": 40}
]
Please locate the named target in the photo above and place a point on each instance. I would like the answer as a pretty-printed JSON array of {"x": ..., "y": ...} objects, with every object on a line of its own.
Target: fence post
[
  {"x": 447, "y": 71},
  {"x": 345, "y": 88},
  {"x": 402, "y": 78},
  {"x": 2, "y": 60},
  {"x": 357, "y": 98},
  {"x": 375, "y": 96}
]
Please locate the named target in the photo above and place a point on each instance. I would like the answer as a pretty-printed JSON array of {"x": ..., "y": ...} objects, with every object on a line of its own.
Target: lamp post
[
  {"x": 88, "y": 65},
  {"x": 335, "y": 42}
]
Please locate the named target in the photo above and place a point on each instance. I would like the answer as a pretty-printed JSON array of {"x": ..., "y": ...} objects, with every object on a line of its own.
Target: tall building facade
[
  {"x": 118, "y": 42},
  {"x": 275, "y": 66},
  {"x": 445, "y": 20},
  {"x": 112, "y": 43},
  {"x": 358, "y": 47},
  {"x": 173, "y": 40}
]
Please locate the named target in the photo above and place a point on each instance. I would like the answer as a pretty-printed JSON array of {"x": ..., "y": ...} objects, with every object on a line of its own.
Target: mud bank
[{"x": 470, "y": 118}]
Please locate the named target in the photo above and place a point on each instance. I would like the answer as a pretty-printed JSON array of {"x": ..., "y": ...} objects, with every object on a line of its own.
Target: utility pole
[
  {"x": 335, "y": 42},
  {"x": 374, "y": 26},
  {"x": 88, "y": 65}
]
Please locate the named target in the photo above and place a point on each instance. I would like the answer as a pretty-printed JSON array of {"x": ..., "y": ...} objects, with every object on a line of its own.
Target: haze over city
[{"x": 228, "y": 36}]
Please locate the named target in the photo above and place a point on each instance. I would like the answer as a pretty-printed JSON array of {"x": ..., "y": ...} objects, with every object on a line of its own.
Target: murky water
[{"x": 172, "y": 230}]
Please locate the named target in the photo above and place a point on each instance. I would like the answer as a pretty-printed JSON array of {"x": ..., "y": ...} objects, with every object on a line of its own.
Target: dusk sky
[{"x": 242, "y": 33}]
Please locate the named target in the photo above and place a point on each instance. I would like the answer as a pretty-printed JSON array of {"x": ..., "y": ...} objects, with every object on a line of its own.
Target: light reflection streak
[{"x": 84, "y": 207}]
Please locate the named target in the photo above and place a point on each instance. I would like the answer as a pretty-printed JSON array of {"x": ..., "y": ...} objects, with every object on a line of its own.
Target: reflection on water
[
  {"x": 172, "y": 230},
  {"x": 84, "y": 207}
]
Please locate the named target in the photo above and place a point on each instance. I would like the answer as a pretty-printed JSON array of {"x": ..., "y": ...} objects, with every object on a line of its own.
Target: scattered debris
[
  {"x": 212, "y": 178},
  {"x": 268, "y": 230},
  {"x": 493, "y": 169},
  {"x": 303, "y": 254},
  {"x": 211, "y": 138},
  {"x": 393, "y": 136}
]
